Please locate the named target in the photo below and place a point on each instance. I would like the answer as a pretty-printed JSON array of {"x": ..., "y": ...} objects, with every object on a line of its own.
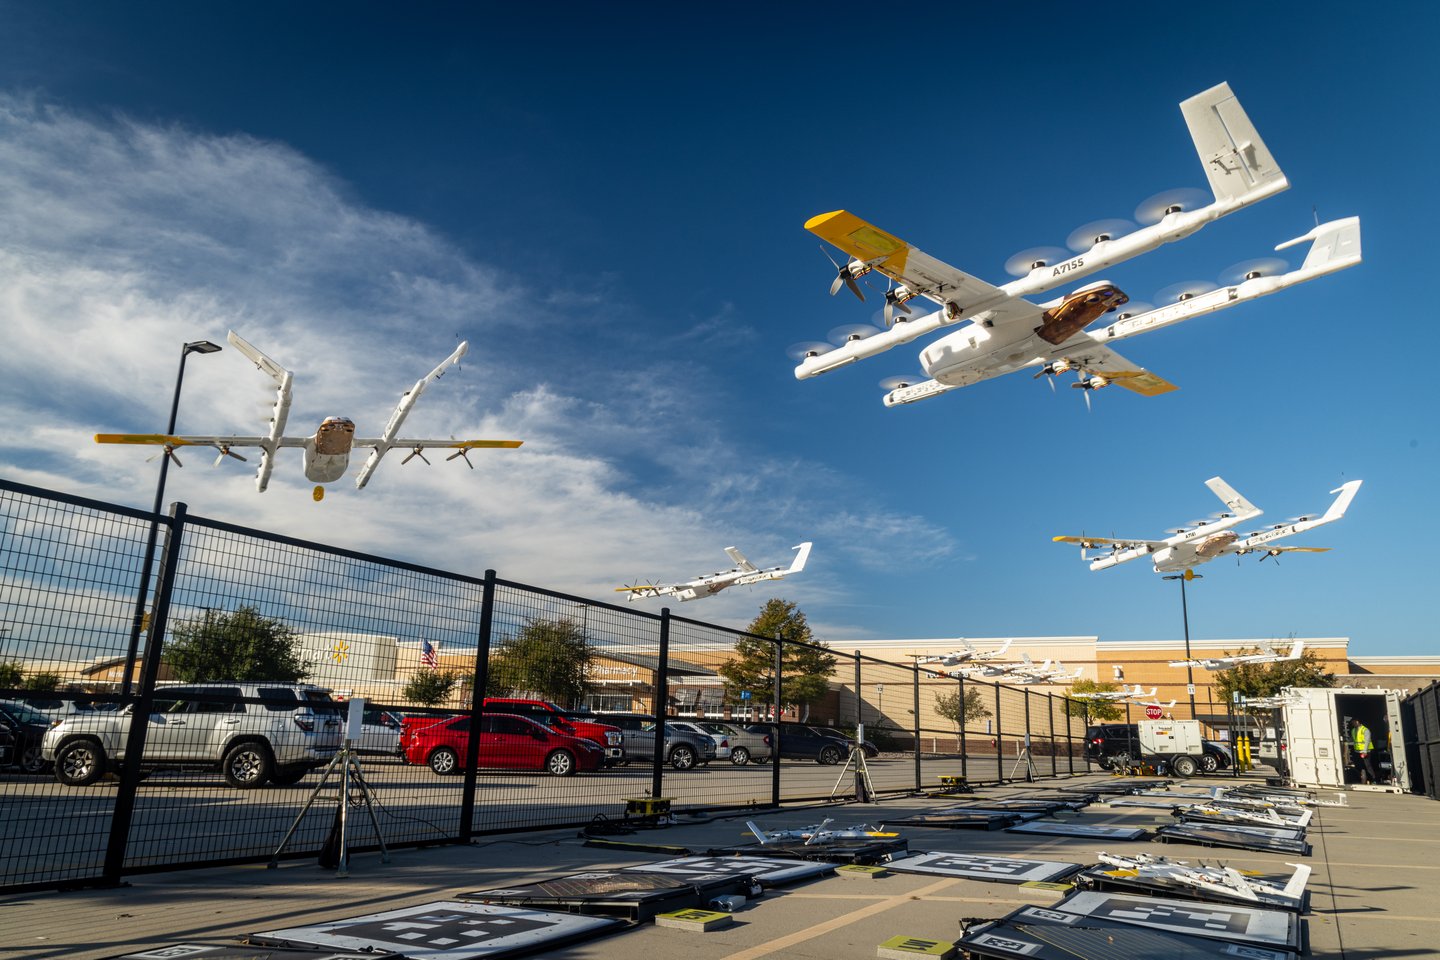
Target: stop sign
[{"x": 1153, "y": 711}]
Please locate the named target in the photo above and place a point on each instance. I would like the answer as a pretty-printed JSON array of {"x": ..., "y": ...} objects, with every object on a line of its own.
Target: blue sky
[{"x": 607, "y": 201}]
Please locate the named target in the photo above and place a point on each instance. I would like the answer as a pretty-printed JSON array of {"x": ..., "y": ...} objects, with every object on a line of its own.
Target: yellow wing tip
[{"x": 816, "y": 222}]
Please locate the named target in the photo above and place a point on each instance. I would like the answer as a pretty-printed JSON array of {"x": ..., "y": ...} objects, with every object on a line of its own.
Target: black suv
[
  {"x": 1105, "y": 741},
  {"x": 800, "y": 742}
]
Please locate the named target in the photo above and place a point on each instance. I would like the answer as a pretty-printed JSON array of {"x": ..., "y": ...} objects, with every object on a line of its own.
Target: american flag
[{"x": 428, "y": 655}]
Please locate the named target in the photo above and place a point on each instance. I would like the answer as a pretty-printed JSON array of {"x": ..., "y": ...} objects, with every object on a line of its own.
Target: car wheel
[
  {"x": 1105, "y": 763},
  {"x": 829, "y": 756},
  {"x": 682, "y": 758},
  {"x": 1208, "y": 763},
  {"x": 739, "y": 756},
  {"x": 561, "y": 763},
  {"x": 288, "y": 776},
  {"x": 445, "y": 761},
  {"x": 1184, "y": 766},
  {"x": 32, "y": 760},
  {"x": 80, "y": 763},
  {"x": 248, "y": 765}
]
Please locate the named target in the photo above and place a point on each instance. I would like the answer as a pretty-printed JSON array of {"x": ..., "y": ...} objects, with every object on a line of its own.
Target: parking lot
[{"x": 1371, "y": 890}]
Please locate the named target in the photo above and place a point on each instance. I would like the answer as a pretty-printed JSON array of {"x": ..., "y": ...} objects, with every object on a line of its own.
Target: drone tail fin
[
  {"x": 1233, "y": 501},
  {"x": 1342, "y": 503},
  {"x": 1237, "y": 162}
]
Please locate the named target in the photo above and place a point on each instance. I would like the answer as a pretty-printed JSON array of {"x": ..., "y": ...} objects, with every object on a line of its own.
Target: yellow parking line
[{"x": 819, "y": 929}]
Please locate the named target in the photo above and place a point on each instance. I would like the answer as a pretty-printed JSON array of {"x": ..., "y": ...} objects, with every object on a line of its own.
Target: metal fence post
[
  {"x": 478, "y": 685},
  {"x": 1050, "y": 710},
  {"x": 964, "y": 772},
  {"x": 1028, "y": 744},
  {"x": 124, "y": 811},
  {"x": 775, "y": 749},
  {"x": 861, "y": 794},
  {"x": 1070, "y": 733},
  {"x": 657, "y": 770},
  {"x": 999, "y": 741},
  {"x": 916, "y": 711}
]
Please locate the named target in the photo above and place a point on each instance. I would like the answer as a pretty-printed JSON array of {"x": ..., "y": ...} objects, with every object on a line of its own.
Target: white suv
[{"x": 296, "y": 728}]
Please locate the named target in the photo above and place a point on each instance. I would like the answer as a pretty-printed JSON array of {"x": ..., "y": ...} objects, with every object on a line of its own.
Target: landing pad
[
  {"x": 240, "y": 951},
  {"x": 1121, "y": 881},
  {"x": 766, "y": 870},
  {"x": 444, "y": 930},
  {"x": 632, "y": 896},
  {"x": 839, "y": 850},
  {"x": 1216, "y": 837},
  {"x": 1274, "y": 929},
  {"x": 1065, "y": 828},
  {"x": 972, "y": 820},
  {"x": 974, "y": 866},
  {"x": 1035, "y": 933}
]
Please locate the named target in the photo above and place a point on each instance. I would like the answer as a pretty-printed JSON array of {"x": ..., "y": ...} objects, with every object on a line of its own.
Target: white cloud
[{"x": 125, "y": 240}]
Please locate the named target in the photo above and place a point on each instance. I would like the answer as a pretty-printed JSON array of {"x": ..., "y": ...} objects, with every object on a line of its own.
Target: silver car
[{"x": 744, "y": 744}]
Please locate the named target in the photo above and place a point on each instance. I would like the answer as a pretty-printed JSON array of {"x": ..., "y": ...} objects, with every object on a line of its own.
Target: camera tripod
[
  {"x": 353, "y": 790},
  {"x": 1024, "y": 758}
]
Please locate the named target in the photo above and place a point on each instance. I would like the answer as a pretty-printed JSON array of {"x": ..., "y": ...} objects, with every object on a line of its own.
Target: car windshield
[{"x": 24, "y": 713}]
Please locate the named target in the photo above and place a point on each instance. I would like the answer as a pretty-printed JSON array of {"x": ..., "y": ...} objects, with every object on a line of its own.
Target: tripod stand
[
  {"x": 862, "y": 772},
  {"x": 352, "y": 781},
  {"x": 1023, "y": 757}
]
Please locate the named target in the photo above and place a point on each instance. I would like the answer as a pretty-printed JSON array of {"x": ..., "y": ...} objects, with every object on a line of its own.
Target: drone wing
[
  {"x": 1097, "y": 360},
  {"x": 739, "y": 560},
  {"x": 1088, "y": 542}
]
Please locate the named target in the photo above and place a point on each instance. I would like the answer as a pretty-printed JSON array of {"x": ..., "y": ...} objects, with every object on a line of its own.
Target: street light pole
[
  {"x": 137, "y": 624},
  {"x": 1185, "y": 617}
]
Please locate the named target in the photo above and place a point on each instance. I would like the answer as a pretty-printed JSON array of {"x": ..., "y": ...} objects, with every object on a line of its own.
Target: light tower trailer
[{"x": 1179, "y": 744}]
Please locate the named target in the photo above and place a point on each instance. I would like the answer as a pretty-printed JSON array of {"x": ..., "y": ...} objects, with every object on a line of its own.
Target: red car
[{"x": 506, "y": 742}]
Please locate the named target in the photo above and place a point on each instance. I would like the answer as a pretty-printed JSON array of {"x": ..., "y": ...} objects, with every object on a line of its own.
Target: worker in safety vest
[{"x": 1361, "y": 748}]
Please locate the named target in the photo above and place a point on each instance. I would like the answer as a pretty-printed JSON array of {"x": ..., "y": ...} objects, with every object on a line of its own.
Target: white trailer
[
  {"x": 1315, "y": 738},
  {"x": 1179, "y": 743}
]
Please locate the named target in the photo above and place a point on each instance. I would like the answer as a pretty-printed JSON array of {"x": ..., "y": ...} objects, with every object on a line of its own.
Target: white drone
[
  {"x": 327, "y": 452},
  {"x": 1223, "y": 880},
  {"x": 1003, "y": 333},
  {"x": 819, "y": 833},
  {"x": 1026, "y": 671},
  {"x": 968, "y": 655},
  {"x": 1200, "y": 541},
  {"x": 707, "y": 586},
  {"x": 1267, "y": 654},
  {"x": 1123, "y": 693}
]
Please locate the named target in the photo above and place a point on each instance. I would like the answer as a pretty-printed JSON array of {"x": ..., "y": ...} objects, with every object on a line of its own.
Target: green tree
[
  {"x": 234, "y": 646},
  {"x": 1268, "y": 679},
  {"x": 949, "y": 706},
  {"x": 1088, "y": 708},
  {"x": 429, "y": 687},
  {"x": 548, "y": 658},
  {"x": 11, "y": 675},
  {"x": 805, "y": 667},
  {"x": 45, "y": 680}
]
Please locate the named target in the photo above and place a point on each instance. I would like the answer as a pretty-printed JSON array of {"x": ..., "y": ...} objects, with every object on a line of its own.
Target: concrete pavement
[{"x": 1373, "y": 892}]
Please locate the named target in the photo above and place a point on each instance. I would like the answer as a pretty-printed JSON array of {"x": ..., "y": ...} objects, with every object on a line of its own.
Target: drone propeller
[
  {"x": 1222, "y": 515},
  {"x": 1178, "y": 530},
  {"x": 1092, "y": 382},
  {"x": 225, "y": 451},
  {"x": 1032, "y": 258},
  {"x": 808, "y": 348},
  {"x": 1156, "y": 208},
  {"x": 1052, "y": 370},
  {"x": 898, "y": 383},
  {"x": 1133, "y": 308},
  {"x": 464, "y": 454},
  {"x": 1097, "y": 231},
  {"x": 849, "y": 332},
  {"x": 845, "y": 275},
  {"x": 895, "y": 297},
  {"x": 1251, "y": 269},
  {"x": 1302, "y": 518},
  {"x": 1184, "y": 290},
  {"x": 168, "y": 452},
  {"x": 417, "y": 452}
]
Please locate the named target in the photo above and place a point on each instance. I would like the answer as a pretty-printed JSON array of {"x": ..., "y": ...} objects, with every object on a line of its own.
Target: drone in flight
[
  {"x": 1123, "y": 693},
  {"x": 1267, "y": 654},
  {"x": 999, "y": 332},
  {"x": 1203, "y": 540},
  {"x": 327, "y": 451},
  {"x": 968, "y": 655},
  {"x": 707, "y": 586}
]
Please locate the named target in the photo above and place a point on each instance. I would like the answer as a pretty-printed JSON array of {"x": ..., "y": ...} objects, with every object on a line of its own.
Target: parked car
[
  {"x": 507, "y": 742},
  {"x": 722, "y": 743},
  {"x": 57, "y": 708},
  {"x": 27, "y": 727},
  {"x": 801, "y": 742},
  {"x": 7, "y": 746},
  {"x": 682, "y": 748},
  {"x": 584, "y": 726},
  {"x": 744, "y": 744},
  {"x": 379, "y": 733},
  {"x": 296, "y": 728},
  {"x": 1105, "y": 741}
]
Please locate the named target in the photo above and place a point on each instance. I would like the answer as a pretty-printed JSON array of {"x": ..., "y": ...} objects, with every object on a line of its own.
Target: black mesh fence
[{"x": 488, "y": 706}]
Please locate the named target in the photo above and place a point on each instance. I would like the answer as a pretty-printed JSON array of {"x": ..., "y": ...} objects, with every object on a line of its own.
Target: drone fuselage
[{"x": 327, "y": 453}]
